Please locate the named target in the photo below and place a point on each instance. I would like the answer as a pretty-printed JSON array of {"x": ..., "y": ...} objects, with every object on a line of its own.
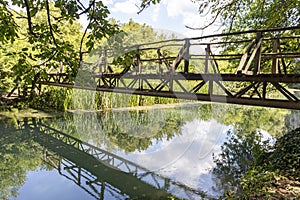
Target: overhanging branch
[
  {"x": 28, "y": 17},
  {"x": 49, "y": 23}
]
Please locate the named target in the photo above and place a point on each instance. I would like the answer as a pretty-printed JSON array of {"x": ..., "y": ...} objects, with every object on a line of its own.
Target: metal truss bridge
[
  {"x": 99, "y": 172},
  {"x": 266, "y": 67}
]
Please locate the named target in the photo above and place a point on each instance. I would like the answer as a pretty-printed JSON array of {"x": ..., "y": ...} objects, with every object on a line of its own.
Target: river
[{"x": 147, "y": 153}]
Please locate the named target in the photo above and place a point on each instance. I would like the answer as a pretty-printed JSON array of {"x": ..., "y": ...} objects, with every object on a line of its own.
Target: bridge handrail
[
  {"x": 187, "y": 43},
  {"x": 138, "y": 46}
]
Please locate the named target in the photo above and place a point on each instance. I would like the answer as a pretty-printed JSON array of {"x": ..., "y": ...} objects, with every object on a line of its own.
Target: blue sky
[{"x": 170, "y": 15}]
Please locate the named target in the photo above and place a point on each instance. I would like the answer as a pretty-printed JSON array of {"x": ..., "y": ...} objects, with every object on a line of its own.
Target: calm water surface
[{"x": 125, "y": 154}]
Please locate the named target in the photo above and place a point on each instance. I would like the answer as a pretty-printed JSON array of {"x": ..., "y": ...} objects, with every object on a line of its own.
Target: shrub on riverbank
[
  {"x": 260, "y": 171},
  {"x": 286, "y": 155}
]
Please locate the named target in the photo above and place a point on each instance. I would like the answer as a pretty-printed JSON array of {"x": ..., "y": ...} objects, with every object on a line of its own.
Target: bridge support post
[
  {"x": 139, "y": 65},
  {"x": 275, "y": 61},
  {"x": 257, "y": 58},
  {"x": 103, "y": 62},
  {"x": 159, "y": 61},
  {"x": 187, "y": 56},
  {"x": 210, "y": 87},
  {"x": 207, "y": 51}
]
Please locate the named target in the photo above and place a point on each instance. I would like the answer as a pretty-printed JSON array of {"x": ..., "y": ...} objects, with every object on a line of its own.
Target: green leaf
[{"x": 33, "y": 12}]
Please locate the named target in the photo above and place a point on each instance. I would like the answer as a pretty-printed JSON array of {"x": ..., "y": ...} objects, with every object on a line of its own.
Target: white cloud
[
  {"x": 185, "y": 9},
  {"x": 188, "y": 12},
  {"x": 107, "y": 2},
  {"x": 169, "y": 14},
  {"x": 156, "y": 11},
  {"x": 188, "y": 158},
  {"x": 127, "y": 7}
]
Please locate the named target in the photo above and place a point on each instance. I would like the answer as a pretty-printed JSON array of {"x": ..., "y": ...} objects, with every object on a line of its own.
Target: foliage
[
  {"x": 105, "y": 100},
  {"x": 245, "y": 14},
  {"x": 40, "y": 36},
  {"x": 17, "y": 157},
  {"x": 251, "y": 14},
  {"x": 63, "y": 99},
  {"x": 52, "y": 98},
  {"x": 286, "y": 155},
  {"x": 239, "y": 154},
  {"x": 131, "y": 33},
  {"x": 258, "y": 183},
  {"x": 241, "y": 117},
  {"x": 124, "y": 48},
  {"x": 241, "y": 15},
  {"x": 249, "y": 168},
  {"x": 145, "y": 3}
]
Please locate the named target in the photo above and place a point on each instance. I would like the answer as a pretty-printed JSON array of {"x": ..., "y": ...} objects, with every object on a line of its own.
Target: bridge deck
[{"x": 206, "y": 87}]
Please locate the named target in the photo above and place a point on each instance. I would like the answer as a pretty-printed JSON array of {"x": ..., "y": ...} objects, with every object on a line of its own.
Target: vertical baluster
[
  {"x": 257, "y": 57},
  {"x": 275, "y": 63},
  {"x": 186, "y": 57},
  {"x": 159, "y": 61},
  {"x": 139, "y": 64},
  {"x": 207, "y": 51},
  {"x": 210, "y": 87}
]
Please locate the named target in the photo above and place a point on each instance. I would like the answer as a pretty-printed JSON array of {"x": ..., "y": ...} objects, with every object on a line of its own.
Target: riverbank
[
  {"x": 148, "y": 107},
  {"x": 20, "y": 114}
]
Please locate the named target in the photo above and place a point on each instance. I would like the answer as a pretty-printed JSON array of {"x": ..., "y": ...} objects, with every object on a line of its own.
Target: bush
[
  {"x": 286, "y": 155},
  {"x": 54, "y": 98},
  {"x": 260, "y": 171}
]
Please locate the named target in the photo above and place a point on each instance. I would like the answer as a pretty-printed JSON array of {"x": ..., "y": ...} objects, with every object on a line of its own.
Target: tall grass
[{"x": 70, "y": 99}]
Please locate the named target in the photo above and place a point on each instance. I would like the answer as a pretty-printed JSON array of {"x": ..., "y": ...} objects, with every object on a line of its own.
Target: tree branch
[
  {"x": 84, "y": 34},
  {"x": 234, "y": 16},
  {"x": 49, "y": 22},
  {"x": 48, "y": 60},
  {"x": 28, "y": 17},
  {"x": 214, "y": 18},
  {"x": 145, "y": 4},
  {"x": 211, "y": 23},
  {"x": 88, "y": 8}
]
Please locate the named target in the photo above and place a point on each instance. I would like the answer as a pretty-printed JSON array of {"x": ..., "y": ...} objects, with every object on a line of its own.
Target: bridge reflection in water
[{"x": 99, "y": 172}]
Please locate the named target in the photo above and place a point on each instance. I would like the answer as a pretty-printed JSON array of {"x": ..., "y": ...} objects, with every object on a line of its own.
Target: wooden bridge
[
  {"x": 265, "y": 69},
  {"x": 97, "y": 171}
]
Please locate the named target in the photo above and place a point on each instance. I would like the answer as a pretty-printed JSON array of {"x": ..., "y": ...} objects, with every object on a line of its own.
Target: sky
[{"x": 169, "y": 15}]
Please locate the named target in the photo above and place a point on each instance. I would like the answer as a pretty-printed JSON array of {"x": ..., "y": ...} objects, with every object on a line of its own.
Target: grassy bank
[{"x": 68, "y": 99}]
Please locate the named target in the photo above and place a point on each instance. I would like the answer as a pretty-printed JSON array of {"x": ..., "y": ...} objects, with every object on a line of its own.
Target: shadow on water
[{"x": 97, "y": 171}]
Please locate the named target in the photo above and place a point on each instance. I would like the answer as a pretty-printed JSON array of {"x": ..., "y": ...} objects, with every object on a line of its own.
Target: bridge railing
[
  {"x": 248, "y": 49},
  {"x": 245, "y": 68}
]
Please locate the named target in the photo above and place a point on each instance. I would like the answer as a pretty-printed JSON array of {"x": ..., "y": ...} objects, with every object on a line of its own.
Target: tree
[
  {"x": 250, "y": 168},
  {"x": 41, "y": 26},
  {"x": 238, "y": 15}
]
